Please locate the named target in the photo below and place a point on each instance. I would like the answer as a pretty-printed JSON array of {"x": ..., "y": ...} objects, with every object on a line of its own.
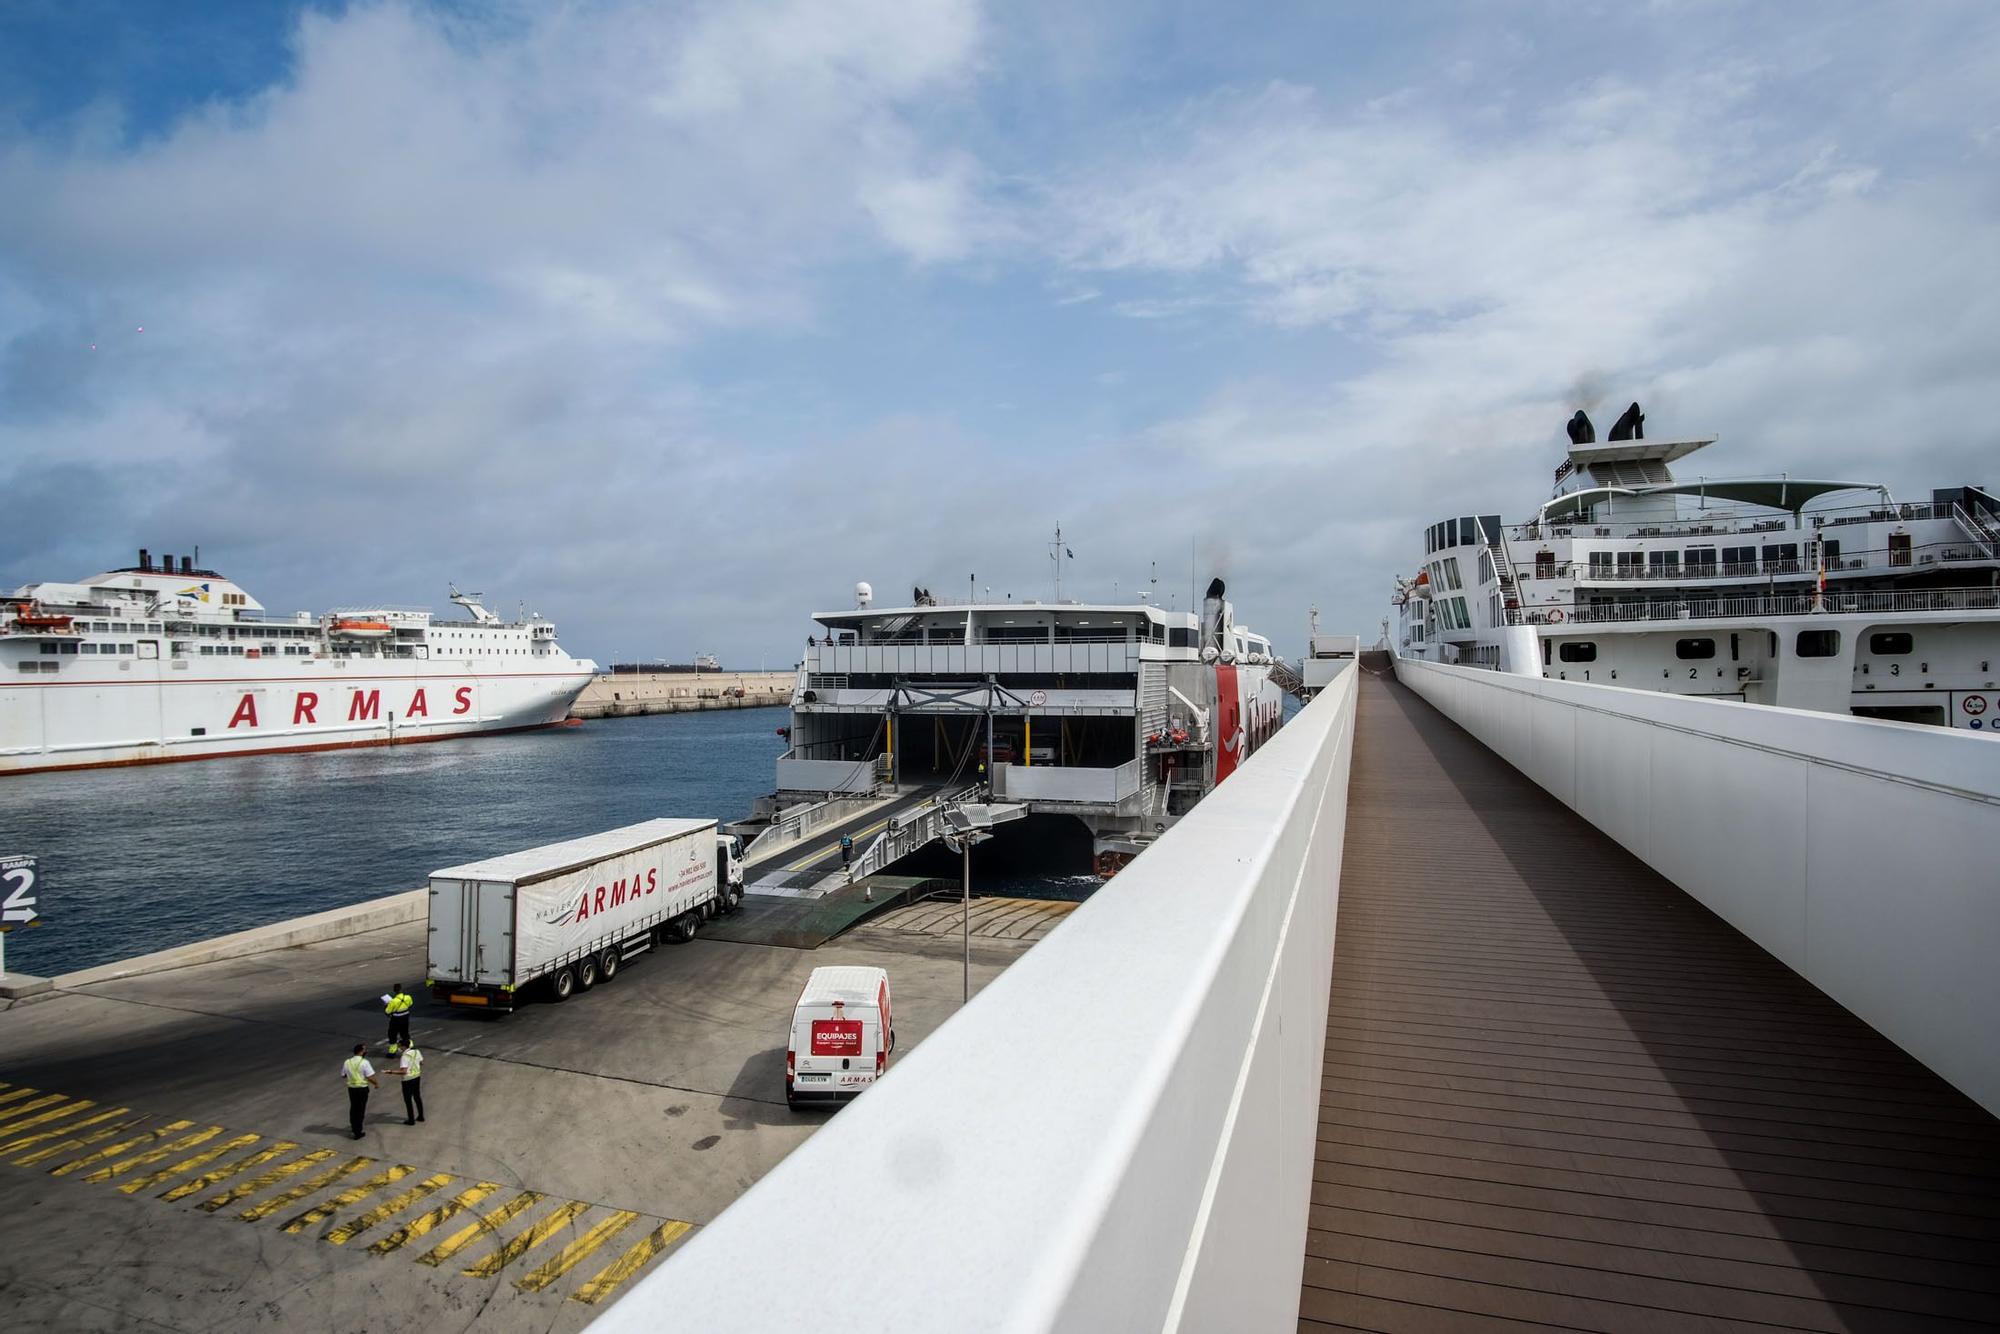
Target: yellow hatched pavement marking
[
  {"x": 601, "y": 1284},
  {"x": 573, "y": 1254},
  {"x": 208, "y": 1155},
  {"x": 76, "y": 1142},
  {"x": 352, "y": 1195},
  {"x": 462, "y": 1238},
  {"x": 112, "y": 1151},
  {"x": 223, "y": 1173},
  {"x": 416, "y": 1227},
  {"x": 59, "y": 1114},
  {"x": 45, "y": 1100},
  {"x": 354, "y": 1227},
  {"x": 25, "y": 1140},
  {"x": 523, "y": 1242},
  {"x": 270, "y": 1178},
  {"x": 153, "y": 1155},
  {"x": 15, "y": 1096},
  {"x": 303, "y": 1189}
]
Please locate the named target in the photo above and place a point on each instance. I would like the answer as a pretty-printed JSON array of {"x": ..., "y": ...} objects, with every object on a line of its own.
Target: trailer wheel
[
  {"x": 586, "y": 974},
  {"x": 607, "y": 964},
  {"x": 562, "y": 985}
]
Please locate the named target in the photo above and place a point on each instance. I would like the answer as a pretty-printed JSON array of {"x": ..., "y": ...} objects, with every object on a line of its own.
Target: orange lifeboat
[
  {"x": 349, "y": 628},
  {"x": 27, "y": 617}
]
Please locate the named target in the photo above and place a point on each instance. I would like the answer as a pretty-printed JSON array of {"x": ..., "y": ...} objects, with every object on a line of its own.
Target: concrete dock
[
  {"x": 174, "y": 1151},
  {"x": 616, "y": 695}
]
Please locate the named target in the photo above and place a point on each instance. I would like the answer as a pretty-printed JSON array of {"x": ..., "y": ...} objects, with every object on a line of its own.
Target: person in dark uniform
[
  {"x": 846, "y": 852},
  {"x": 360, "y": 1077}
]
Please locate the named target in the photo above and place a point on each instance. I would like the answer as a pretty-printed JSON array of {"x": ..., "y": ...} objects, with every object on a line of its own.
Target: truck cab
[
  {"x": 843, "y": 1032},
  {"x": 728, "y": 871}
]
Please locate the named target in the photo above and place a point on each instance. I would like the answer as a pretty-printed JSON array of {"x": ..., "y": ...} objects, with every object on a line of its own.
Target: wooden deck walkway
[{"x": 1559, "y": 1093}]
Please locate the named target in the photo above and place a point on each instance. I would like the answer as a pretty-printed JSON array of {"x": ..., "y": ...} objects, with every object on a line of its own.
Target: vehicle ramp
[{"x": 1560, "y": 1093}]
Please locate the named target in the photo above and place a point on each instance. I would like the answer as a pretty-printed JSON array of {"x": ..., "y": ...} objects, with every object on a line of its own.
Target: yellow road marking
[
  {"x": 70, "y": 1129},
  {"x": 573, "y": 1253},
  {"x": 630, "y": 1263},
  {"x": 523, "y": 1242},
  {"x": 64, "y": 1145},
  {"x": 352, "y": 1195},
  {"x": 209, "y": 1155},
  {"x": 270, "y": 1178},
  {"x": 59, "y": 1114},
  {"x": 45, "y": 1100},
  {"x": 416, "y": 1227},
  {"x": 207, "y": 1179},
  {"x": 462, "y": 1238},
  {"x": 153, "y": 1155},
  {"x": 303, "y": 1189},
  {"x": 112, "y": 1151},
  {"x": 16, "y": 1095},
  {"x": 353, "y": 1228},
  {"x": 857, "y": 836}
]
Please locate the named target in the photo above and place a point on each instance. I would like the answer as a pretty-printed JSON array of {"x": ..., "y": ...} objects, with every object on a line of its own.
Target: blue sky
[{"x": 675, "y": 321}]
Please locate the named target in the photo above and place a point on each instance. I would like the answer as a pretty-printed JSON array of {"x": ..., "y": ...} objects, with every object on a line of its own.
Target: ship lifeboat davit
[{"x": 353, "y": 628}]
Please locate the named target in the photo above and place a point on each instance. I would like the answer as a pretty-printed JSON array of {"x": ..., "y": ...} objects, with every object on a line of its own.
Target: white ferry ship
[
  {"x": 1812, "y": 594},
  {"x": 154, "y": 663},
  {"x": 1120, "y": 715}
]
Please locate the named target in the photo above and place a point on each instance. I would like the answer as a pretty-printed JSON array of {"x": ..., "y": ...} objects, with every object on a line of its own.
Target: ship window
[
  {"x": 31, "y": 666},
  {"x": 1694, "y": 648},
  {"x": 1577, "y": 651},
  {"x": 49, "y": 648},
  {"x": 1818, "y": 643},
  {"x": 68, "y": 648},
  {"x": 1600, "y": 565},
  {"x": 1545, "y": 651},
  {"x": 89, "y": 648},
  {"x": 1890, "y": 643}
]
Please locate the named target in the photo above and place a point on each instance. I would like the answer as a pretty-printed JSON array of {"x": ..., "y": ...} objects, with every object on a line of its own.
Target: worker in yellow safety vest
[
  {"x": 397, "y": 1004},
  {"x": 413, "y": 1085},
  {"x": 360, "y": 1077}
]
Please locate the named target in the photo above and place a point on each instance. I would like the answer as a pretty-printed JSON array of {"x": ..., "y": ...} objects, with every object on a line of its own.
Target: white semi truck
[{"x": 566, "y": 916}]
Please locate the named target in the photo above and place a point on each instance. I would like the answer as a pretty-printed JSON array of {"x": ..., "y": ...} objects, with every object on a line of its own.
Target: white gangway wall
[
  {"x": 1117, "y": 1134},
  {"x": 1863, "y": 854}
]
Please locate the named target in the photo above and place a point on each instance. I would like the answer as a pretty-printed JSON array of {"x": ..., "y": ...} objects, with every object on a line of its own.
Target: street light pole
[{"x": 965, "y": 922}]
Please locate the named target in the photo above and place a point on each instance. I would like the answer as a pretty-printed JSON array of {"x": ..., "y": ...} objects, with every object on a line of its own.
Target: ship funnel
[
  {"x": 187, "y": 564},
  {"x": 145, "y": 559},
  {"x": 167, "y": 562},
  {"x": 1214, "y": 612}
]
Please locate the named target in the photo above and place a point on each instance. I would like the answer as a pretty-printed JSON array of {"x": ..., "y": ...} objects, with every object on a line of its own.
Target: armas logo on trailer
[{"x": 603, "y": 898}]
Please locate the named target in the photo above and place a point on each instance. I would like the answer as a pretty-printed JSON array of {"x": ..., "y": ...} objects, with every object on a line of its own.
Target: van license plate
[{"x": 812, "y": 1079}]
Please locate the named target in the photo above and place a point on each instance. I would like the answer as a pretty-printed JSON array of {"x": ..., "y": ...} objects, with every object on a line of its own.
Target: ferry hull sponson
[
  {"x": 1120, "y": 715},
  {"x": 148, "y": 665},
  {"x": 1825, "y": 595}
]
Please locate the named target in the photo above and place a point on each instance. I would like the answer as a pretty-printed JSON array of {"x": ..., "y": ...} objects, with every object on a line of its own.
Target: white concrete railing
[
  {"x": 1861, "y": 853},
  {"x": 1116, "y": 1134}
]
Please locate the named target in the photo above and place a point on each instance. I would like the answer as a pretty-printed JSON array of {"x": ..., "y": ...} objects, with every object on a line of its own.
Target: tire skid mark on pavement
[{"x": 79, "y": 1139}]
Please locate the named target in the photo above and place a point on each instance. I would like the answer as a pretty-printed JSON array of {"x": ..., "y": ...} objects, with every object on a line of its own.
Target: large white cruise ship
[
  {"x": 158, "y": 662},
  {"x": 1806, "y": 593}
]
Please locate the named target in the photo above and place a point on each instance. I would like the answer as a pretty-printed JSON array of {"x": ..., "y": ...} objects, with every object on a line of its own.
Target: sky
[{"x": 674, "y": 322}]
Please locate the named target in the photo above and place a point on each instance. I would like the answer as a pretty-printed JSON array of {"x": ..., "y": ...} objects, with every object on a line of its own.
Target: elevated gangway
[
  {"x": 1561, "y": 1093},
  {"x": 811, "y": 864}
]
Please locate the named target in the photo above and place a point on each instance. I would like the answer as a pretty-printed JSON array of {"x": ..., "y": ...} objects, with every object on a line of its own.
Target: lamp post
[{"x": 972, "y": 824}]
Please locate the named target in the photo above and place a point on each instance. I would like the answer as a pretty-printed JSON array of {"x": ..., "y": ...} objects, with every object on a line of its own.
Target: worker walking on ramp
[
  {"x": 397, "y": 1005},
  {"x": 412, "y": 1072},
  {"x": 360, "y": 1078}
]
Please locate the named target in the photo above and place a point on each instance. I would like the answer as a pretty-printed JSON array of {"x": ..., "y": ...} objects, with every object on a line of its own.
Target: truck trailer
[{"x": 564, "y": 917}]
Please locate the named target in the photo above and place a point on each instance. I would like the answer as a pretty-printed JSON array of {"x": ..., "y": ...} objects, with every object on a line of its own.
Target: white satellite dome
[{"x": 863, "y": 594}]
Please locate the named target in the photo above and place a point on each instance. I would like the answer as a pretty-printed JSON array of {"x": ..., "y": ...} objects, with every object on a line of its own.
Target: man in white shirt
[
  {"x": 360, "y": 1077},
  {"x": 412, "y": 1072}
]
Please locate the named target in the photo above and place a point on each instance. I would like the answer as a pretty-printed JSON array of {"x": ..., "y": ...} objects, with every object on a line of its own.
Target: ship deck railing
[{"x": 1750, "y": 606}]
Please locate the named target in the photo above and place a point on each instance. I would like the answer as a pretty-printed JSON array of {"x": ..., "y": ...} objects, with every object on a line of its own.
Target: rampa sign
[{"x": 19, "y": 877}]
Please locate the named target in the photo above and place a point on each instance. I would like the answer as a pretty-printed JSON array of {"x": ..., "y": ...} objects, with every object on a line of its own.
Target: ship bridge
[{"x": 1471, "y": 1002}]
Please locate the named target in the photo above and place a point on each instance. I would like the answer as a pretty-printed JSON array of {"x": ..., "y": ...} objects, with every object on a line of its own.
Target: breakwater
[{"x": 616, "y": 695}]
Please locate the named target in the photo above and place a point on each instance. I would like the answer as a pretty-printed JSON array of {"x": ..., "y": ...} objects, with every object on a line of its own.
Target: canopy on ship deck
[{"x": 1778, "y": 493}]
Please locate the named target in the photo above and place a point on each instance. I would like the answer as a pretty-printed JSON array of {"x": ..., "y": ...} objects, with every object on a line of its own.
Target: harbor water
[{"x": 146, "y": 858}]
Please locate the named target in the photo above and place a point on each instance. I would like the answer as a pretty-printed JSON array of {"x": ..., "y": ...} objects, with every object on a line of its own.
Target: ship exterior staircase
[
  {"x": 1287, "y": 677},
  {"x": 1981, "y": 526}
]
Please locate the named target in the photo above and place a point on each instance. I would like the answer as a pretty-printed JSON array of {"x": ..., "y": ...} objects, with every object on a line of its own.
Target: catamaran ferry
[
  {"x": 1811, "y": 594},
  {"x": 1119, "y": 715},
  {"x": 153, "y": 663}
]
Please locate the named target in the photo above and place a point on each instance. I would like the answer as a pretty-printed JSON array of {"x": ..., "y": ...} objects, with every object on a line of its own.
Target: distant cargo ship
[{"x": 154, "y": 663}]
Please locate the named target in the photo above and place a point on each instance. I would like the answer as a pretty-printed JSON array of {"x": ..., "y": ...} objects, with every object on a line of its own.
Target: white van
[{"x": 842, "y": 1034}]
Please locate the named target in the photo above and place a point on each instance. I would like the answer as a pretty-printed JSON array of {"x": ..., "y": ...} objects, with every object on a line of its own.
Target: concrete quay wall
[
  {"x": 615, "y": 696},
  {"x": 1859, "y": 852}
]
